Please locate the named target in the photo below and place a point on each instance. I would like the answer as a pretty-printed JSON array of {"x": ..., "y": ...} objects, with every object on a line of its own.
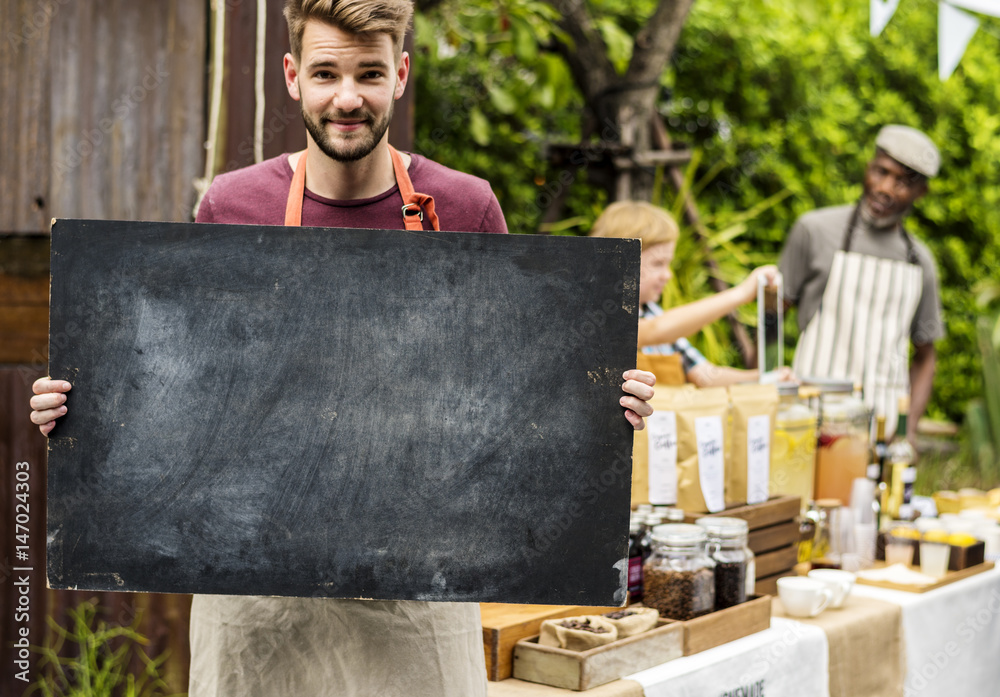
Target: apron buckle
[{"x": 407, "y": 212}]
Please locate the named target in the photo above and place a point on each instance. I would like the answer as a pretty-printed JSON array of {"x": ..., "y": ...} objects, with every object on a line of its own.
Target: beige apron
[
  {"x": 861, "y": 331},
  {"x": 246, "y": 646}
]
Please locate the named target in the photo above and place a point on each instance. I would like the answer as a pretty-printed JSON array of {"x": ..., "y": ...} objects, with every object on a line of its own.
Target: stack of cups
[{"x": 865, "y": 523}]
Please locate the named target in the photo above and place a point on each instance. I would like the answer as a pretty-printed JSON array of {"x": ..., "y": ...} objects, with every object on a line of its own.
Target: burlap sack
[
  {"x": 555, "y": 634},
  {"x": 754, "y": 409},
  {"x": 636, "y": 621}
]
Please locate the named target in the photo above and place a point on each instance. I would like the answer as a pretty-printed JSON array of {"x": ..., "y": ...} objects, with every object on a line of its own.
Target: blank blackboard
[{"x": 347, "y": 413}]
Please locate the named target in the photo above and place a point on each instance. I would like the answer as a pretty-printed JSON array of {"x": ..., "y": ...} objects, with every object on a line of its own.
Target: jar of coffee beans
[
  {"x": 679, "y": 576},
  {"x": 735, "y": 567}
]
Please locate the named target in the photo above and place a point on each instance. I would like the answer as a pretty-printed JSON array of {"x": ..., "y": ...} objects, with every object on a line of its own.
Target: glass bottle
[
  {"x": 901, "y": 459},
  {"x": 735, "y": 565},
  {"x": 793, "y": 453},
  {"x": 646, "y": 539},
  {"x": 634, "y": 563},
  {"x": 826, "y": 545},
  {"x": 679, "y": 576}
]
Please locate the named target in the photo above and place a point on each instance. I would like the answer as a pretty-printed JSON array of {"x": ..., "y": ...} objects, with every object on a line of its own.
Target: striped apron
[{"x": 861, "y": 331}]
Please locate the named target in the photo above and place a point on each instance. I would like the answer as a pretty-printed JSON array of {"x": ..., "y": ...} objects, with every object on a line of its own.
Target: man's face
[
  {"x": 891, "y": 188},
  {"x": 347, "y": 85}
]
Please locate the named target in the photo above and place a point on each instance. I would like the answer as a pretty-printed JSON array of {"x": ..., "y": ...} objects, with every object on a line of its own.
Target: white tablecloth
[
  {"x": 788, "y": 660},
  {"x": 952, "y": 637}
]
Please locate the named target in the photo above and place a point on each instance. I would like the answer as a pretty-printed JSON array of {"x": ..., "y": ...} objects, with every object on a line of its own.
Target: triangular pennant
[
  {"x": 955, "y": 30},
  {"x": 983, "y": 7},
  {"x": 880, "y": 14}
]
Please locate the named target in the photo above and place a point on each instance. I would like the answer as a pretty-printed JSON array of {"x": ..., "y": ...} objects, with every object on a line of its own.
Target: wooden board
[
  {"x": 945, "y": 580},
  {"x": 504, "y": 625},
  {"x": 347, "y": 413},
  {"x": 775, "y": 562},
  {"x": 722, "y": 626},
  {"x": 778, "y": 509},
  {"x": 768, "y": 585},
  {"x": 774, "y": 537},
  {"x": 582, "y": 670}
]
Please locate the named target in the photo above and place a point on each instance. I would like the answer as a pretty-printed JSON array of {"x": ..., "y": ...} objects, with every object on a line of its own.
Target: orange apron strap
[
  {"x": 415, "y": 205},
  {"x": 293, "y": 208}
]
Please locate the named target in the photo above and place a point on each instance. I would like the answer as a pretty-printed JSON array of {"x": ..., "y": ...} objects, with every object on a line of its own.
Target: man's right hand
[{"x": 49, "y": 403}]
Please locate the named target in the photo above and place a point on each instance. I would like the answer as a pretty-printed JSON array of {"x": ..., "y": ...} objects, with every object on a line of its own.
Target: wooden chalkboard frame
[{"x": 348, "y": 413}]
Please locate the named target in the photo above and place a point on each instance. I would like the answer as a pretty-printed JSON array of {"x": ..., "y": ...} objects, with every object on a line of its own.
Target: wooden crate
[
  {"x": 722, "y": 626},
  {"x": 774, "y": 535},
  {"x": 504, "y": 625},
  {"x": 582, "y": 670}
]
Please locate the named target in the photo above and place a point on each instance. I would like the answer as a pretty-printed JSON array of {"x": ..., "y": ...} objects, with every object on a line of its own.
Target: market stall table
[
  {"x": 949, "y": 638},
  {"x": 952, "y": 636}
]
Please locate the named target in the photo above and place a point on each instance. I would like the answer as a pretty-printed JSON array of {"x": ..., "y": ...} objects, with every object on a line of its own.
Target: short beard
[
  {"x": 885, "y": 222},
  {"x": 359, "y": 148}
]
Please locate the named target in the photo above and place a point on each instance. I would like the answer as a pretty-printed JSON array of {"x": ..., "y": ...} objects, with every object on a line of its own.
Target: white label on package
[
  {"x": 662, "y": 428},
  {"x": 708, "y": 432},
  {"x": 758, "y": 457}
]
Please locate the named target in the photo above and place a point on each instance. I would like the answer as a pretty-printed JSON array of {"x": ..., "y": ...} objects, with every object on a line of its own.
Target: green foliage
[
  {"x": 795, "y": 100},
  {"x": 99, "y": 662},
  {"x": 777, "y": 95}
]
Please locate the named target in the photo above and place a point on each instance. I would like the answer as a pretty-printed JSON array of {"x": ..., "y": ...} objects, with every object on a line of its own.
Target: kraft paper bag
[
  {"x": 754, "y": 409},
  {"x": 701, "y": 450},
  {"x": 654, "y": 449}
]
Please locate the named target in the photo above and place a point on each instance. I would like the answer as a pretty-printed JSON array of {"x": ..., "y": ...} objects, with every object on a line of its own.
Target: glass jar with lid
[
  {"x": 735, "y": 565},
  {"x": 679, "y": 576},
  {"x": 793, "y": 453},
  {"x": 842, "y": 447}
]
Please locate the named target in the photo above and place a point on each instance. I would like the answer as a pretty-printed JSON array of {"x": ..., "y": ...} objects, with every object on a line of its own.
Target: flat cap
[{"x": 911, "y": 148}]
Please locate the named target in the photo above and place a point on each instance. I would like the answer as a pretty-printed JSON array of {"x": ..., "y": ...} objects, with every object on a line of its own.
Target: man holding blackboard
[{"x": 346, "y": 68}]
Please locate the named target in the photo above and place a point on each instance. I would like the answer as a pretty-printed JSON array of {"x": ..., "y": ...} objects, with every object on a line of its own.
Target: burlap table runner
[
  {"x": 866, "y": 646},
  {"x": 520, "y": 688}
]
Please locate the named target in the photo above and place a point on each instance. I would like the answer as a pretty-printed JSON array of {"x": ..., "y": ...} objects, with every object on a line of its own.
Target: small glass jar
[
  {"x": 679, "y": 576},
  {"x": 735, "y": 564}
]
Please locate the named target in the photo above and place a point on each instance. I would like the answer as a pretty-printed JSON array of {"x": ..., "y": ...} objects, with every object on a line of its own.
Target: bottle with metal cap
[
  {"x": 670, "y": 514},
  {"x": 735, "y": 564},
  {"x": 679, "y": 576}
]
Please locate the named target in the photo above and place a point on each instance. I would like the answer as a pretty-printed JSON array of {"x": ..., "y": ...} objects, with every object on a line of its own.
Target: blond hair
[
  {"x": 639, "y": 219},
  {"x": 391, "y": 17}
]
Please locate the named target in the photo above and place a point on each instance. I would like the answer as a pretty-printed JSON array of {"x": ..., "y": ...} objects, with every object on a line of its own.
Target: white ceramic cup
[
  {"x": 839, "y": 582},
  {"x": 803, "y": 597}
]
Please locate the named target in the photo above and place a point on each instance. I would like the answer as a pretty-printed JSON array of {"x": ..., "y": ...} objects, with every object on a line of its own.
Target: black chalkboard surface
[{"x": 347, "y": 413}]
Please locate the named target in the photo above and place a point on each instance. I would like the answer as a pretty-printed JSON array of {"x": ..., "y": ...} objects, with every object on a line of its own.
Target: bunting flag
[
  {"x": 956, "y": 27},
  {"x": 881, "y": 12},
  {"x": 955, "y": 30}
]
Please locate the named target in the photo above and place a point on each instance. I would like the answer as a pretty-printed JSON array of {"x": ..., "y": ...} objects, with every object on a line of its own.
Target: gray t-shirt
[{"x": 808, "y": 255}]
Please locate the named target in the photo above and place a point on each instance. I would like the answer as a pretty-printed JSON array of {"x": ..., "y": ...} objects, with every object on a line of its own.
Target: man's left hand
[{"x": 639, "y": 390}]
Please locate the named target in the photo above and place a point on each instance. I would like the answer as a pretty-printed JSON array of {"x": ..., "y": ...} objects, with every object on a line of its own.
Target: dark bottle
[{"x": 635, "y": 560}]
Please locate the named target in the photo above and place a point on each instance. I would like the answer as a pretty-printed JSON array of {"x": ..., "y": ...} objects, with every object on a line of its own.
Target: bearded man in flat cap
[{"x": 865, "y": 288}]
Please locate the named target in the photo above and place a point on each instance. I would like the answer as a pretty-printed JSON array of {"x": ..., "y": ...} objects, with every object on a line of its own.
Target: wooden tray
[
  {"x": 582, "y": 670},
  {"x": 504, "y": 625},
  {"x": 722, "y": 626},
  {"x": 948, "y": 578}
]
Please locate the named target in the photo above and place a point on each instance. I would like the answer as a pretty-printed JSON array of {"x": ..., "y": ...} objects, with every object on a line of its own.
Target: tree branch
[
  {"x": 655, "y": 42},
  {"x": 588, "y": 57}
]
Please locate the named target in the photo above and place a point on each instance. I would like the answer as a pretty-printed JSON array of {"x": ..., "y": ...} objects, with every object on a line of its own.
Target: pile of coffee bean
[
  {"x": 730, "y": 583},
  {"x": 679, "y": 595},
  {"x": 620, "y": 614},
  {"x": 585, "y": 626}
]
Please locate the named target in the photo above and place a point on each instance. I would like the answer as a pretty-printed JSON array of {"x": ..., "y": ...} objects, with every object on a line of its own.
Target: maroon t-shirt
[{"x": 257, "y": 195}]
